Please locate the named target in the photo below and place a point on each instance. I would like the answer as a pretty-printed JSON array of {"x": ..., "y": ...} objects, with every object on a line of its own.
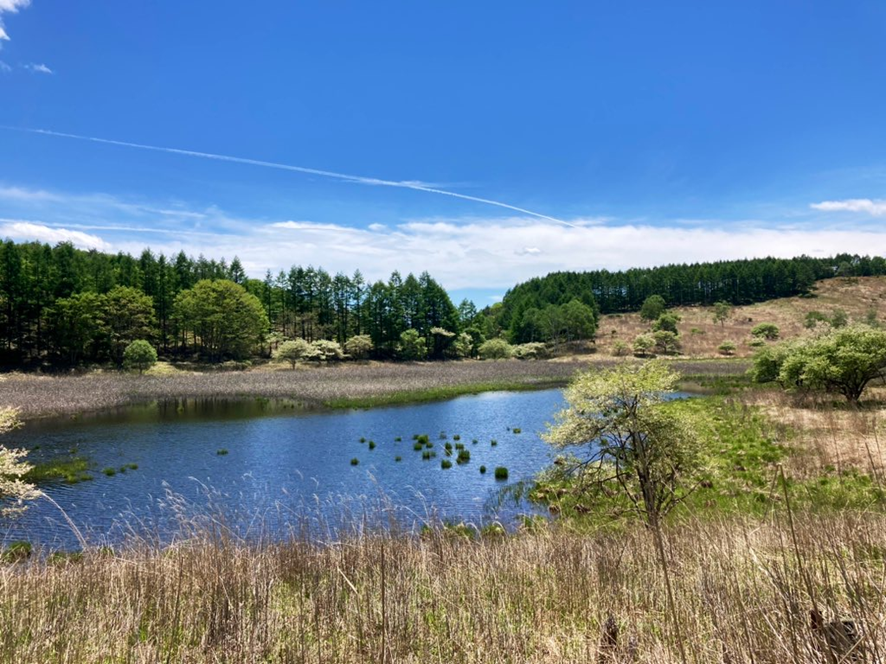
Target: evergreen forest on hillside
[{"x": 522, "y": 311}]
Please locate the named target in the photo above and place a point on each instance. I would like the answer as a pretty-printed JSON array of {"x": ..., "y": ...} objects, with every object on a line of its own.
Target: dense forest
[
  {"x": 523, "y": 310},
  {"x": 69, "y": 306},
  {"x": 64, "y": 306}
]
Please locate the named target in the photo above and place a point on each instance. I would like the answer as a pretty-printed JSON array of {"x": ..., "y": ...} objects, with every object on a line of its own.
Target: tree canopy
[
  {"x": 219, "y": 319},
  {"x": 844, "y": 361},
  {"x": 628, "y": 438},
  {"x": 734, "y": 282},
  {"x": 68, "y": 306}
]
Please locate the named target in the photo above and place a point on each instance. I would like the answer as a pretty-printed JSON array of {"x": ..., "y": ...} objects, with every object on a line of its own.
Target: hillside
[{"x": 855, "y": 296}]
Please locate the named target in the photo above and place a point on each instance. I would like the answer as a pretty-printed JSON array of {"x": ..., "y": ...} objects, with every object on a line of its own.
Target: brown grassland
[{"x": 854, "y": 296}]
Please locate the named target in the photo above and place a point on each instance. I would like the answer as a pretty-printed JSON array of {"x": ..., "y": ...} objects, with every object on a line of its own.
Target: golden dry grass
[
  {"x": 743, "y": 594},
  {"x": 855, "y": 297},
  {"x": 829, "y": 436}
]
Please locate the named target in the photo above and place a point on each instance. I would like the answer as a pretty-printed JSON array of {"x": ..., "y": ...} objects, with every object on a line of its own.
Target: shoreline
[{"x": 331, "y": 388}]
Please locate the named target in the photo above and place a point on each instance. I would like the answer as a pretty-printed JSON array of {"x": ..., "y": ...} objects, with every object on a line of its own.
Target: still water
[{"x": 284, "y": 470}]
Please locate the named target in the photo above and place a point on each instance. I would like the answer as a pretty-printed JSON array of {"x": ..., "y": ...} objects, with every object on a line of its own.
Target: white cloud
[
  {"x": 27, "y": 195},
  {"x": 38, "y": 68},
  {"x": 491, "y": 254},
  {"x": 312, "y": 226},
  {"x": 488, "y": 253},
  {"x": 28, "y": 231},
  {"x": 875, "y": 208},
  {"x": 11, "y": 7}
]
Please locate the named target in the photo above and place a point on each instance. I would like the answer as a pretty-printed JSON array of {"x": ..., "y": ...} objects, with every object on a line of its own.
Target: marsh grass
[
  {"x": 743, "y": 590},
  {"x": 346, "y": 386},
  {"x": 69, "y": 470}
]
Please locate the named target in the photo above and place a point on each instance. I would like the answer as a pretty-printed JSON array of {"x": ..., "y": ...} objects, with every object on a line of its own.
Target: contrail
[{"x": 297, "y": 169}]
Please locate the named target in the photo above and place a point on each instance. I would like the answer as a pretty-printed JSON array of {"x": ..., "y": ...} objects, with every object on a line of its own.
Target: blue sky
[{"x": 658, "y": 132}]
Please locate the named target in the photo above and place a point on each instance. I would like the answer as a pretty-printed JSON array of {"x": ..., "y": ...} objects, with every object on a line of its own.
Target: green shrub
[
  {"x": 727, "y": 348},
  {"x": 495, "y": 349},
  {"x": 139, "y": 355},
  {"x": 768, "y": 331}
]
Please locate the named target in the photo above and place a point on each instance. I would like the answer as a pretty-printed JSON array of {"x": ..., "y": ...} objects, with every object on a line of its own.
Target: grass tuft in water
[{"x": 69, "y": 470}]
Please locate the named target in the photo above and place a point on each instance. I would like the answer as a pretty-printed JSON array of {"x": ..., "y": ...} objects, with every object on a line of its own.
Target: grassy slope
[{"x": 855, "y": 297}]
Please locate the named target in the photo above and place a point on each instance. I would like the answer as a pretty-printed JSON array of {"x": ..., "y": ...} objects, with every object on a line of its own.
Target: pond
[{"x": 283, "y": 471}]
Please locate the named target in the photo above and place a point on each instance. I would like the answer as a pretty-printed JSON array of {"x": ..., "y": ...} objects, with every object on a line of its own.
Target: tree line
[
  {"x": 68, "y": 306},
  {"x": 736, "y": 282}
]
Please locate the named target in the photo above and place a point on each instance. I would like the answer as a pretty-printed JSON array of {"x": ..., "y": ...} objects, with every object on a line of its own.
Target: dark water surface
[{"x": 285, "y": 470}]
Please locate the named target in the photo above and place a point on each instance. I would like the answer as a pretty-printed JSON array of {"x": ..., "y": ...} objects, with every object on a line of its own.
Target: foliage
[
  {"x": 412, "y": 346},
  {"x": 813, "y": 318},
  {"x": 620, "y": 348},
  {"x": 839, "y": 318},
  {"x": 629, "y": 441},
  {"x": 666, "y": 342},
  {"x": 727, "y": 348},
  {"x": 324, "y": 350},
  {"x": 128, "y": 315},
  {"x": 530, "y": 351},
  {"x": 722, "y": 311},
  {"x": 768, "y": 361},
  {"x": 441, "y": 341},
  {"x": 737, "y": 282},
  {"x": 666, "y": 322},
  {"x": 843, "y": 361},
  {"x": 768, "y": 331},
  {"x": 495, "y": 349},
  {"x": 570, "y": 321},
  {"x": 653, "y": 307},
  {"x": 139, "y": 355},
  {"x": 292, "y": 351},
  {"x": 13, "y": 490},
  {"x": 464, "y": 345},
  {"x": 219, "y": 319},
  {"x": 643, "y": 345},
  {"x": 71, "y": 306},
  {"x": 359, "y": 346}
]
